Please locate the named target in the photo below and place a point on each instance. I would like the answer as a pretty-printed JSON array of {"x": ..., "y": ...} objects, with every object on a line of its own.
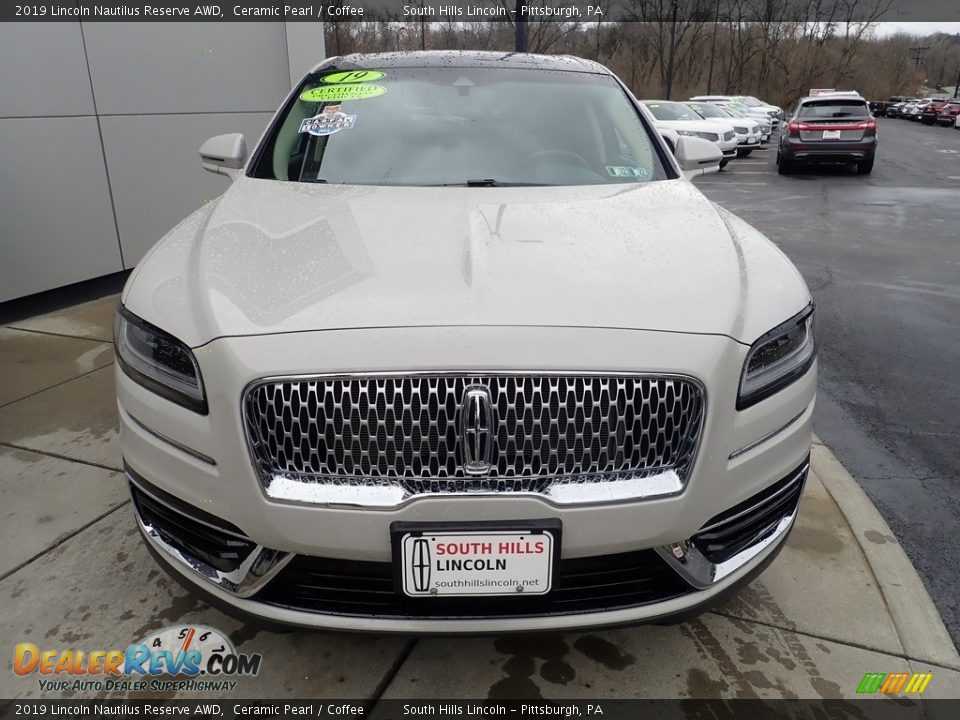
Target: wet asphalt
[{"x": 881, "y": 254}]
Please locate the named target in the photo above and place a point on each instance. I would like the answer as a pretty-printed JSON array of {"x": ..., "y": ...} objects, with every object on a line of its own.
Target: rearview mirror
[
  {"x": 224, "y": 154},
  {"x": 697, "y": 156}
]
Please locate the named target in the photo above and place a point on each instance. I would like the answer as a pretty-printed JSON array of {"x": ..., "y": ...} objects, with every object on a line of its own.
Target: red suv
[
  {"x": 948, "y": 113},
  {"x": 930, "y": 112}
]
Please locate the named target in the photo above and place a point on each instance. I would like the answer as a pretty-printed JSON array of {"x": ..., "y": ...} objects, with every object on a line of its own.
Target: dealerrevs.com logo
[{"x": 182, "y": 657}]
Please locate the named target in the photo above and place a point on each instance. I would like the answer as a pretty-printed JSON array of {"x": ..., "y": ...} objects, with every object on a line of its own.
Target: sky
[{"x": 917, "y": 28}]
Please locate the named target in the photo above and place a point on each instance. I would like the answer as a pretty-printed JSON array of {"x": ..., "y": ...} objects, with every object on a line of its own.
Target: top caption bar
[{"x": 741, "y": 11}]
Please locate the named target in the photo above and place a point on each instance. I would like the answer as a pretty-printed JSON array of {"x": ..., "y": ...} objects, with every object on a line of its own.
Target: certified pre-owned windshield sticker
[
  {"x": 340, "y": 93},
  {"x": 352, "y": 76},
  {"x": 328, "y": 122},
  {"x": 626, "y": 171}
]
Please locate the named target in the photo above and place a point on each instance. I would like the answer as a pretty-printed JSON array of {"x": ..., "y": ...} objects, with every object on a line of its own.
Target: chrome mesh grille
[{"x": 374, "y": 430}]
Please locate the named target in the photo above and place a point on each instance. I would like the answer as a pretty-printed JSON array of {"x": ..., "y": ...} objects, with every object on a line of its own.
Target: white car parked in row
[
  {"x": 461, "y": 349},
  {"x": 747, "y": 105},
  {"x": 685, "y": 121},
  {"x": 763, "y": 124},
  {"x": 748, "y": 133}
]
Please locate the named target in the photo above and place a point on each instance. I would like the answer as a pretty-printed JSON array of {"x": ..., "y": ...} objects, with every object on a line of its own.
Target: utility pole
[
  {"x": 520, "y": 26},
  {"x": 917, "y": 56},
  {"x": 713, "y": 49},
  {"x": 673, "y": 48}
]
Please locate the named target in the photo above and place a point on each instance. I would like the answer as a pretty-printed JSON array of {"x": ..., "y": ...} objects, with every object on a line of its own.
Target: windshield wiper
[{"x": 490, "y": 182}]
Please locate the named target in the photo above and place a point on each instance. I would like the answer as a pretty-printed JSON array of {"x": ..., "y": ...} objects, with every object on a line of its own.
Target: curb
[{"x": 922, "y": 633}]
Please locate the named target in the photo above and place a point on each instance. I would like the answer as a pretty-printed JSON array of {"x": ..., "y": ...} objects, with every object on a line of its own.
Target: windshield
[
  {"x": 460, "y": 126},
  {"x": 707, "y": 111},
  {"x": 670, "y": 111},
  {"x": 833, "y": 109},
  {"x": 750, "y": 101},
  {"x": 733, "y": 112}
]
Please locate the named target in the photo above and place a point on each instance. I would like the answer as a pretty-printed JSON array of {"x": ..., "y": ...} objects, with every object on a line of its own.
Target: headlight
[
  {"x": 158, "y": 361},
  {"x": 777, "y": 359},
  {"x": 692, "y": 133}
]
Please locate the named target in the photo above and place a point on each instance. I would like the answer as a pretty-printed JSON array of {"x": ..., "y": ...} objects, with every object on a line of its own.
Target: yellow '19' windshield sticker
[
  {"x": 353, "y": 76},
  {"x": 339, "y": 93}
]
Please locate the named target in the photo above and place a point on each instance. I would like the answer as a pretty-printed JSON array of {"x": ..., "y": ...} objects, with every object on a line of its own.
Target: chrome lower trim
[
  {"x": 694, "y": 567},
  {"x": 697, "y": 570},
  {"x": 391, "y": 497},
  {"x": 769, "y": 436},
  {"x": 259, "y": 568},
  {"x": 179, "y": 446}
]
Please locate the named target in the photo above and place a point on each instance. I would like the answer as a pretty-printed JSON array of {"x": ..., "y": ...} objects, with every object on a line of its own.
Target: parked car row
[
  {"x": 736, "y": 134},
  {"x": 943, "y": 111}
]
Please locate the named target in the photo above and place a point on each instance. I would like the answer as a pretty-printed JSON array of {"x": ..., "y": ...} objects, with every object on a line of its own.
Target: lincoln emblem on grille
[{"x": 476, "y": 430}]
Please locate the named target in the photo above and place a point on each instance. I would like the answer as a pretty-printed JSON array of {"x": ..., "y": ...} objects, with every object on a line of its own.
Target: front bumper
[
  {"x": 277, "y": 588},
  {"x": 201, "y": 465},
  {"x": 728, "y": 147}
]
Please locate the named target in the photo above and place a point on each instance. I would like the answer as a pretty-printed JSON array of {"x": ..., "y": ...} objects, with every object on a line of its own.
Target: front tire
[{"x": 723, "y": 163}]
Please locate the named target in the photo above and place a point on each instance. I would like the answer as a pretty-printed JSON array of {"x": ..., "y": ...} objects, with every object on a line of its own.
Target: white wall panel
[
  {"x": 43, "y": 70},
  {"x": 305, "y": 48},
  {"x": 155, "y": 170},
  {"x": 56, "y": 224},
  {"x": 159, "y": 67}
]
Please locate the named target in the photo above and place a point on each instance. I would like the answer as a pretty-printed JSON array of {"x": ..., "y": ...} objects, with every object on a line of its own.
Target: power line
[{"x": 917, "y": 56}]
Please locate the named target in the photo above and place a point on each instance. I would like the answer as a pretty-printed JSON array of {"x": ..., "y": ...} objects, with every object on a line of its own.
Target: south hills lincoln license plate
[{"x": 453, "y": 563}]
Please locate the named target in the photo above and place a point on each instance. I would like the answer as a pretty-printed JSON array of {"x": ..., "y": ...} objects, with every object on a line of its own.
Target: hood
[
  {"x": 747, "y": 125},
  {"x": 272, "y": 257}
]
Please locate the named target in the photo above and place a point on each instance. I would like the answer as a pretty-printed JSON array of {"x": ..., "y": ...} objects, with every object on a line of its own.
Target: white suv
[{"x": 461, "y": 349}]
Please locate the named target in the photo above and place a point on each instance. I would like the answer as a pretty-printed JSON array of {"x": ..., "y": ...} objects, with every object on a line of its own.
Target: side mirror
[
  {"x": 224, "y": 155},
  {"x": 697, "y": 156}
]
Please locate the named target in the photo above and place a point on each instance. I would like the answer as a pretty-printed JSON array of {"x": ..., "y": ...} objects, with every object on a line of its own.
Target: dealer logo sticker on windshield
[
  {"x": 340, "y": 93},
  {"x": 328, "y": 122}
]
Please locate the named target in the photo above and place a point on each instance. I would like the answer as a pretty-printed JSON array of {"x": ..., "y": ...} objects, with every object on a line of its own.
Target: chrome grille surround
[{"x": 382, "y": 439}]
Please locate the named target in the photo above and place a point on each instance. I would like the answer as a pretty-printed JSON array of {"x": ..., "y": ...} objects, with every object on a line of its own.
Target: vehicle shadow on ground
[{"x": 813, "y": 172}]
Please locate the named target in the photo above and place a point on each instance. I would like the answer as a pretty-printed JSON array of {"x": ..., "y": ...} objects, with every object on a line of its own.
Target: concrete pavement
[{"x": 841, "y": 600}]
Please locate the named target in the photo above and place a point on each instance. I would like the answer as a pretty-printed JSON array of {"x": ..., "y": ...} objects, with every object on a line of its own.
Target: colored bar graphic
[{"x": 894, "y": 683}]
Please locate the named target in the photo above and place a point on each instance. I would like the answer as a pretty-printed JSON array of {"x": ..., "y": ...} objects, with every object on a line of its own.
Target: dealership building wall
[{"x": 99, "y": 129}]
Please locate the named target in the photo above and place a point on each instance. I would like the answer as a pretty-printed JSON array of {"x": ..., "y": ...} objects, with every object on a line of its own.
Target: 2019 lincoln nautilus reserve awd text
[{"x": 461, "y": 349}]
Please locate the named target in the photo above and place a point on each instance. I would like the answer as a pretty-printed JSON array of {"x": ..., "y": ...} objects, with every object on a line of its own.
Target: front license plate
[
  {"x": 451, "y": 562},
  {"x": 751, "y": 141},
  {"x": 831, "y": 134},
  {"x": 765, "y": 138}
]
